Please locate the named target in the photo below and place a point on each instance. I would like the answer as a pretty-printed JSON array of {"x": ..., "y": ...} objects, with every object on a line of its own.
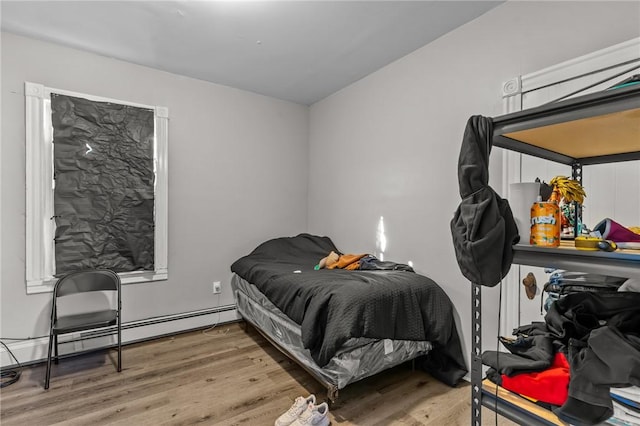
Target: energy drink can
[{"x": 545, "y": 224}]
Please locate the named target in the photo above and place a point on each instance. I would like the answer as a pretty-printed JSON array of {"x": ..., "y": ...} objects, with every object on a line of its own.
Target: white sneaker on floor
[
  {"x": 314, "y": 415},
  {"x": 297, "y": 408}
]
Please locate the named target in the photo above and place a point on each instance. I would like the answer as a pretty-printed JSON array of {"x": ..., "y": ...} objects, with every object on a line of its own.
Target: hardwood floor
[{"x": 220, "y": 376}]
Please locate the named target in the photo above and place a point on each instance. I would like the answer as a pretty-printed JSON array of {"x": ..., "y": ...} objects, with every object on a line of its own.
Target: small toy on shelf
[
  {"x": 567, "y": 193},
  {"x": 567, "y": 190}
]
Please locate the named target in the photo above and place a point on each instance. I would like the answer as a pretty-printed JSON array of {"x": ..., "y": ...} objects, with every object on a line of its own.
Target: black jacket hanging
[{"x": 483, "y": 228}]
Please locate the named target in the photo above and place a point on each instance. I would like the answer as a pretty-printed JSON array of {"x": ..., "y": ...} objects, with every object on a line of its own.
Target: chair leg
[
  {"x": 55, "y": 337},
  {"x": 119, "y": 347},
  {"x": 48, "y": 373}
]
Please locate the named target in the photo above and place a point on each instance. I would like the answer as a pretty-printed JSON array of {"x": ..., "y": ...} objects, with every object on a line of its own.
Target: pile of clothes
[
  {"x": 563, "y": 282},
  {"x": 363, "y": 262},
  {"x": 588, "y": 345}
]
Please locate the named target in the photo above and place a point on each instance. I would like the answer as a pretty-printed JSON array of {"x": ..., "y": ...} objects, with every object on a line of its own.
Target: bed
[{"x": 344, "y": 325}]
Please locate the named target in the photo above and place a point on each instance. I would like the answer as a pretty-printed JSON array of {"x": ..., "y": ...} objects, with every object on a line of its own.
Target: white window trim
[
  {"x": 512, "y": 91},
  {"x": 40, "y": 228}
]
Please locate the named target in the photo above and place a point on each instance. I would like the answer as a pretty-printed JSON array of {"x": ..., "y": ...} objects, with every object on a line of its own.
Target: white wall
[
  {"x": 384, "y": 146},
  {"x": 237, "y": 176},
  {"x": 388, "y": 145}
]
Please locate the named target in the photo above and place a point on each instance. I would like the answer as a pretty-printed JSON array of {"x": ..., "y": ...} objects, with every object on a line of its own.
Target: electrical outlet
[{"x": 217, "y": 287}]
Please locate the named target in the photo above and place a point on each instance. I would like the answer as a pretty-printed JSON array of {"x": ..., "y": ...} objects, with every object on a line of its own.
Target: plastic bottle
[{"x": 545, "y": 223}]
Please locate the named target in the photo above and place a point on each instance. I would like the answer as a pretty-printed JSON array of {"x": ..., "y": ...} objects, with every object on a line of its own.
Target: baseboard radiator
[{"x": 32, "y": 351}]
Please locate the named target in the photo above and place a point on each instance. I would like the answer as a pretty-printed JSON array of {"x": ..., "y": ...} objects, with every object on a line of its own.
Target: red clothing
[{"x": 550, "y": 385}]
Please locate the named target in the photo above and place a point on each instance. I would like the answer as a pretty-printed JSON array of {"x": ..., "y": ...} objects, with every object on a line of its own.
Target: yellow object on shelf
[
  {"x": 594, "y": 244},
  {"x": 587, "y": 243}
]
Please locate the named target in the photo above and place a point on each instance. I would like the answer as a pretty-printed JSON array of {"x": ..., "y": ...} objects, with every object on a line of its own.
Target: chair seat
[{"x": 71, "y": 323}]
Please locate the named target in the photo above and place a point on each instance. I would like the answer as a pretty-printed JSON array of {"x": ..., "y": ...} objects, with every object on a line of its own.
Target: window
[{"x": 106, "y": 206}]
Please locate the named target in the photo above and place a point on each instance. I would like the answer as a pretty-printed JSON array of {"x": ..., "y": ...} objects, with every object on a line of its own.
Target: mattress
[{"x": 356, "y": 359}]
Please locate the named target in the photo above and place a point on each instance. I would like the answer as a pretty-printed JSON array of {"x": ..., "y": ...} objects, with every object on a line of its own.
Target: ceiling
[{"x": 300, "y": 51}]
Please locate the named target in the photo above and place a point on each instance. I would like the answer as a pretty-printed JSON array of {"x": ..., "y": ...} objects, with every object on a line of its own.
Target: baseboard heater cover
[{"x": 34, "y": 351}]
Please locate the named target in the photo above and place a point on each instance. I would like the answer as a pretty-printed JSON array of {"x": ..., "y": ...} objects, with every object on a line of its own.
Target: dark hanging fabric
[
  {"x": 483, "y": 227},
  {"x": 104, "y": 192}
]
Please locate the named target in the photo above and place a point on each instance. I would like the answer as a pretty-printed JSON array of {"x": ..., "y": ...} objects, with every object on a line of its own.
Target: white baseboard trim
[{"x": 35, "y": 350}]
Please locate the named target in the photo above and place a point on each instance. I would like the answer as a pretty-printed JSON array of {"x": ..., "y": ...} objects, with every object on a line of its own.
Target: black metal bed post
[{"x": 476, "y": 354}]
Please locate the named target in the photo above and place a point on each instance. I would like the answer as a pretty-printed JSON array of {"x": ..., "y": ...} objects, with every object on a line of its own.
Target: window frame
[{"x": 40, "y": 226}]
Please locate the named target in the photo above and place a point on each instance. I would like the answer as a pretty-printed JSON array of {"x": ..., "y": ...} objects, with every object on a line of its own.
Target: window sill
[{"x": 46, "y": 286}]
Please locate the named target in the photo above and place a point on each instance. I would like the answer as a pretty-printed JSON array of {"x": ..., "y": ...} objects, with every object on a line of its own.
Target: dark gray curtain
[{"x": 104, "y": 185}]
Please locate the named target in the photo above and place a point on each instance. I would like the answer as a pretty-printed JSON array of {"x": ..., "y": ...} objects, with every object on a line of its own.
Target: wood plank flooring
[{"x": 221, "y": 376}]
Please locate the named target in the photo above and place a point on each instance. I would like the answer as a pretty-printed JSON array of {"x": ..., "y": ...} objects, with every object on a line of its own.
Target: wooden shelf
[
  {"x": 601, "y": 127},
  {"x": 515, "y": 407}
]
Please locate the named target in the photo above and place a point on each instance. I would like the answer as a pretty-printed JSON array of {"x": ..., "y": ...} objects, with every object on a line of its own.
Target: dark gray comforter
[{"x": 332, "y": 306}]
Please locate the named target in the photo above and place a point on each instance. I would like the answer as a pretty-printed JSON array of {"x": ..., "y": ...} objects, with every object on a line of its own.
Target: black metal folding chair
[{"x": 102, "y": 280}]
